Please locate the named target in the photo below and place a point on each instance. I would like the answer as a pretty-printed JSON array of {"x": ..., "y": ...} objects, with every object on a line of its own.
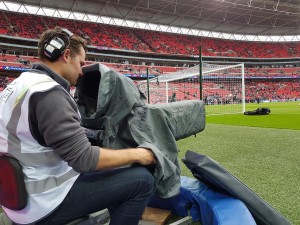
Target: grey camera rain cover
[{"x": 111, "y": 102}]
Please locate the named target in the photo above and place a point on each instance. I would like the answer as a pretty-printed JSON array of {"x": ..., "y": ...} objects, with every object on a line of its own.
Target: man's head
[{"x": 63, "y": 52}]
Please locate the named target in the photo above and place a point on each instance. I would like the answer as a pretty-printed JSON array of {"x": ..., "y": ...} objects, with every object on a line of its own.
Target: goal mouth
[{"x": 222, "y": 87}]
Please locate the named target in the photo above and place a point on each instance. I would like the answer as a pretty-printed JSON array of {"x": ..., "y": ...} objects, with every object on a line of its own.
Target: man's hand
[{"x": 146, "y": 156}]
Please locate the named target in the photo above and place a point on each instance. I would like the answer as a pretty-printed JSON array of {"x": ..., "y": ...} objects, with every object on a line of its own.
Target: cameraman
[{"x": 66, "y": 177}]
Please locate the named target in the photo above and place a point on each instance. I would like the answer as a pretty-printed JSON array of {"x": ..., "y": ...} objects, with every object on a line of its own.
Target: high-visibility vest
[{"x": 48, "y": 178}]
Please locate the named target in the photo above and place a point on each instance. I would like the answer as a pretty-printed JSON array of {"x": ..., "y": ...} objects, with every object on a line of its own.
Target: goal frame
[{"x": 167, "y": 79}]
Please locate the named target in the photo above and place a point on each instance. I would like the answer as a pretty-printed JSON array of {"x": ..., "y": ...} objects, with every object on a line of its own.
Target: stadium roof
[{"x": 253, "y": 20}]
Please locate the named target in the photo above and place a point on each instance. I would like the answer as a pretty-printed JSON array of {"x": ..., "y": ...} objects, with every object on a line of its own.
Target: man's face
[{"x": 74, "y": 70}]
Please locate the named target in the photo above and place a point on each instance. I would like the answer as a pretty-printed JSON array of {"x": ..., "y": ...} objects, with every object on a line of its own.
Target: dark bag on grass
[
  {"x": 213, "y": 174},
  {"x": 258, "y": 111}
]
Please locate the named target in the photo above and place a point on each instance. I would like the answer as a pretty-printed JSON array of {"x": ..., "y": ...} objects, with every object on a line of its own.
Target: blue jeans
[{"x": 125, "y": 192}]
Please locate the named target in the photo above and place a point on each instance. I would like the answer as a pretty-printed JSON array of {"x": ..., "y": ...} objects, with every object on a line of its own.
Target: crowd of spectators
[
  {"x": 272, "y": 72},
  {"x": 108, "y": 36},
  {"x": 272, "y": 91},
  {"x": 4, "y": 81},
  {"x": 255, "y": 89}
]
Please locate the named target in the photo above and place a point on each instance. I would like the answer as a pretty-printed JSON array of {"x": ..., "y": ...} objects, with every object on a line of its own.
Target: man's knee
[{"x": 148, "y": 182}]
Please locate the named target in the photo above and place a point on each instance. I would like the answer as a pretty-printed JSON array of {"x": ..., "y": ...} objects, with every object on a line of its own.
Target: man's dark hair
[{"x": 74, "y": 42}]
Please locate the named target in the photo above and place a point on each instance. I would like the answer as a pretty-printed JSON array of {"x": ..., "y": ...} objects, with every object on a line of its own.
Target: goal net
[{"x": 223, "y": 87}]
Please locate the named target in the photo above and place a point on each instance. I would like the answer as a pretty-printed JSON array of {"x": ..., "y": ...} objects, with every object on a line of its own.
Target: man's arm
[
  {"x": 55, "y": 123},
  {"x": 115, "y": 158}
]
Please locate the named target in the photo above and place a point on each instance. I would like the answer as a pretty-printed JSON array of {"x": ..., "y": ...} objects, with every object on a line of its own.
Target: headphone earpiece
[{"x": 55, "y": 46}]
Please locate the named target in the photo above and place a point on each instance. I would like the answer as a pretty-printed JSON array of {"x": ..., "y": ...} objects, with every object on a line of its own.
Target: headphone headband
[{"x": 66, "y": 31}]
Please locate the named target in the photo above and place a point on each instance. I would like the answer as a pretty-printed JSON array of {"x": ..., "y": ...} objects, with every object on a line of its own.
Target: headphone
[{"x": 55, "y": 46}]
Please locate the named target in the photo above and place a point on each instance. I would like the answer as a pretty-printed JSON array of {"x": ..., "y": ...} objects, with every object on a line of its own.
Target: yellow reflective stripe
[{"x": 25, "y": 89}]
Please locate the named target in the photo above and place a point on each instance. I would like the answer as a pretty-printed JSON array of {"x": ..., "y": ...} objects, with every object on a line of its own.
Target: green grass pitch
[
  {"x": 262, "y": 151},
  {"x": 285, "y": 115}
]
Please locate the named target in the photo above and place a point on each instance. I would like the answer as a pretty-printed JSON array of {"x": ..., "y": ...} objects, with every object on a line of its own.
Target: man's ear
[{"x": 67, "y": 54}]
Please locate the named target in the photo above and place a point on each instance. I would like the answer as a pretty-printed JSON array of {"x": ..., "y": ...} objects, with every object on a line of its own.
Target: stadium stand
[
  {"x": 272, "y": 91},
  {"x": 109, "y": 37},
  {"x": 30, "y": 26}
]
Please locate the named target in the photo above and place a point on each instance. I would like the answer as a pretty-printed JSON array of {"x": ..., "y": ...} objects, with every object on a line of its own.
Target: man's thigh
[{"x": 95, "y": 191}]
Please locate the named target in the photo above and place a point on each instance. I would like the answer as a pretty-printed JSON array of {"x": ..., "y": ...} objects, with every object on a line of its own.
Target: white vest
[{"x": 48, "y": 178}]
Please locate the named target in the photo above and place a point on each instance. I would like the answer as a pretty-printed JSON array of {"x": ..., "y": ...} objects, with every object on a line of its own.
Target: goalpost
[{"x": 223, "y": 87}]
